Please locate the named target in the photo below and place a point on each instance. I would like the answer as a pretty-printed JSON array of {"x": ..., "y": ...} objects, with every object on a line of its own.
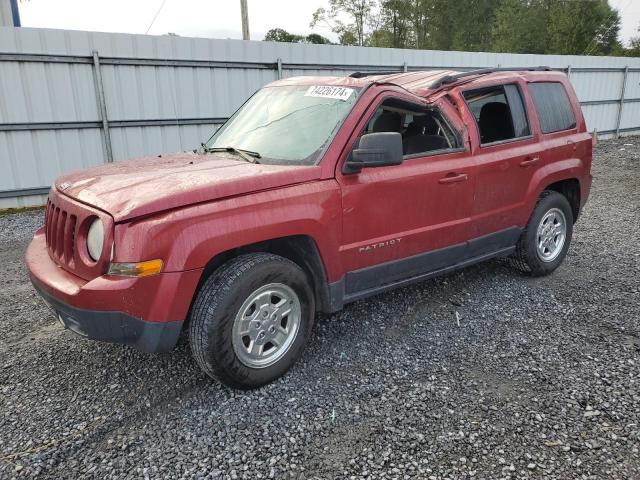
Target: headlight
[{"x": 95, "y": 239}]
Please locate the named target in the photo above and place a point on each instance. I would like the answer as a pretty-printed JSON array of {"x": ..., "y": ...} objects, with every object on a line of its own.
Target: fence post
[
  {"x": 621, "y": 106},
  {"x": 405, "y": 68},
  {"x": 279, "y": 63},
  {"x": 102, "y": 106}
]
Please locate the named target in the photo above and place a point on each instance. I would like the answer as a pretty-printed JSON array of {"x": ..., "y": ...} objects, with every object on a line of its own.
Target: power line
[
  {"x": 155, "y": 16},
  {"x": 593, "y": 42}
]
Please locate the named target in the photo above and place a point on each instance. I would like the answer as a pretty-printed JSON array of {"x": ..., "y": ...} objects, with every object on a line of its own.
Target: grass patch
[{"x": 12, "y": 211}]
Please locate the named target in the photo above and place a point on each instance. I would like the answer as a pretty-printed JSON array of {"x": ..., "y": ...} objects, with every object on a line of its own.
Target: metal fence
[{"x": 69, "y": 100}]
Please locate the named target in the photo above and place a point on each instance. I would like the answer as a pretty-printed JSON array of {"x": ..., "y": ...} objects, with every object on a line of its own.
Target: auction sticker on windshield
[{"x": 325, "y": 91}]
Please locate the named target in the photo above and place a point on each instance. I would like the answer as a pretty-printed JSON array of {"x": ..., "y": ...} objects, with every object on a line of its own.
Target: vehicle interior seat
[
  {"x": 388, "y": 122},
  {"x": 421, "y": 136},
  {"x": 495, "y": 122}
]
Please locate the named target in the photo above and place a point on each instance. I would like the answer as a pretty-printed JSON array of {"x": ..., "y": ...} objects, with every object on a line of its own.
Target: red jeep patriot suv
[{"x": 317, "y": 192}]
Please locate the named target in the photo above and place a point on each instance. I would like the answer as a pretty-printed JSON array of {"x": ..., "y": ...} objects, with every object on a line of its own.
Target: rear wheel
[
  {"x": 545, "y": 241},
  {"x": 251, "y": 320}
]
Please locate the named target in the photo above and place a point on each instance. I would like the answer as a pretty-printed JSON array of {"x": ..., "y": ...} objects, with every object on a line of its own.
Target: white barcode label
[{"x": 326, "y": 91}]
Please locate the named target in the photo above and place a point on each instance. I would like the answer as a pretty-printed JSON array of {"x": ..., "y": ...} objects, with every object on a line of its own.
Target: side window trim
[
  {"x": 475, "y": 121},
  {"x": 433, "y": 153}
]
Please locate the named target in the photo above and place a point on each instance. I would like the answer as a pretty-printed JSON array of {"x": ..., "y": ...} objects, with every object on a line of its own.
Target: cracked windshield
[{"x": 287, "y": 125}]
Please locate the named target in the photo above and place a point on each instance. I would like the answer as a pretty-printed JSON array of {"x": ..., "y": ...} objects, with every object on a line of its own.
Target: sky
[{"x": 209, "y": 18}]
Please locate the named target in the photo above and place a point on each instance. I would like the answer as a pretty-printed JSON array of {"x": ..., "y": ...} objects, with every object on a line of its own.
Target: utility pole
[
  {"x": 9, "y": 14},
  {"x": 244, "y": 11}
]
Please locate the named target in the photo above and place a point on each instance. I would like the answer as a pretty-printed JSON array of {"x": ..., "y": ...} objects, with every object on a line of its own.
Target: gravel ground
[{"x": 537, "y": 378}]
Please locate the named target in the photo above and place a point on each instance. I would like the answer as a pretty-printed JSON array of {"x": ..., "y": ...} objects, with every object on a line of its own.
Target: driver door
[{"x": 403, "y": 221}]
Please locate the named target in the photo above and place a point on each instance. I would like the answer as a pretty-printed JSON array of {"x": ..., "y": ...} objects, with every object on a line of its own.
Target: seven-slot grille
[
  {"x": 66, "y": 225},
  {"x": 60, "y": 231}
]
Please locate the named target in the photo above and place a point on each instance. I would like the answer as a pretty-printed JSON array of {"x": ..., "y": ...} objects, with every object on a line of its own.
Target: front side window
[
  {"x": 423, "y": 129},
  {"x": 553, "y": 107},
  {"x": 287, "y": 125},
  {"x": 499, "y": 113}
]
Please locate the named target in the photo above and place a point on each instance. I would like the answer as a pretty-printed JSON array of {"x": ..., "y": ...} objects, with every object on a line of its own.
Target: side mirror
[{"x": 378, "y": 149}]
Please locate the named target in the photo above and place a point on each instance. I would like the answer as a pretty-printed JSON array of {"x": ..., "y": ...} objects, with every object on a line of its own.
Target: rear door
[{"x": 508, "y": 154}]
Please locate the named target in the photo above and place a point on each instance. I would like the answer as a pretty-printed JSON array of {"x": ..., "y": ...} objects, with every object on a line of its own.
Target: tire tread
[{"x": 212, "y": 294}]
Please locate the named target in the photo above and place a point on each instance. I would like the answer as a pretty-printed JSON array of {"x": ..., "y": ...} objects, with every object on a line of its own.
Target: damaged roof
[{"x": 420, "y": 83}]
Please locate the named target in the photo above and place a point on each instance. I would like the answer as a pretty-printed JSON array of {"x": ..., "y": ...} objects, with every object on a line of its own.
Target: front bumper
[
  {"x": 115, "y": 327},
  {"x": 146, "y": 312}
]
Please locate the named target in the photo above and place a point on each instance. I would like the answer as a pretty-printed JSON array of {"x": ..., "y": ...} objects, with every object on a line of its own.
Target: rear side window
[
  {"x": 553, "y": 106},
  {"x": 499, "y": 113}
]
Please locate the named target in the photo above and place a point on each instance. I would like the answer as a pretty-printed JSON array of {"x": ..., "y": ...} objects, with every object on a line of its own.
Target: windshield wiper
[{"x": 248, "y": 155}]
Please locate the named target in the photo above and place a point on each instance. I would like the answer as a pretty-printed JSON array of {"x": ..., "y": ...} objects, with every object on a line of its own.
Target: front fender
[{"x": 187, "y": 238}]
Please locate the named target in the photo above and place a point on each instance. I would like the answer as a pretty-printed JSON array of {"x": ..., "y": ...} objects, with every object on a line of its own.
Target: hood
[{"x": 150, "y": 184}]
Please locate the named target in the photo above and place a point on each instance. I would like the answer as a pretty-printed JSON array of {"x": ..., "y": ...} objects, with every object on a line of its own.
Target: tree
[
  {"x": 281, "y": 35},
  {"x": 448, "y": 25},
  {"x": 519, "y": 26},
  {"x": 395, "y": 28},
  {"x": 359, "y": 13},
  {"x": 582, "y": 27},
  {"x": 317, "y": 38},
  {"x": 579, "y": 27},
  {"x": 634, "y": 46}
]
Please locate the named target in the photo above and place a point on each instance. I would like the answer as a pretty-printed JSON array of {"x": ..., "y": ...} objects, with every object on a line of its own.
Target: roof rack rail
[
  {"x": 369, "y": 74},
  {"x": 484, "y": 71}
]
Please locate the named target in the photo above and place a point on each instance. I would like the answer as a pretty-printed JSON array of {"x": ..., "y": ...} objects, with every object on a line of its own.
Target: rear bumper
[
  {"x": 115, "y": 327},
  {"x": 146, "y": 312}
]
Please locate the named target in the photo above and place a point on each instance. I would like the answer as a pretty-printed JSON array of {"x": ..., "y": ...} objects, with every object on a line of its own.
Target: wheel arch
[
  {"x": 570, "y": 189},
  {"x": 563, "y": 177},
  {"x": 300, "y": 249}
]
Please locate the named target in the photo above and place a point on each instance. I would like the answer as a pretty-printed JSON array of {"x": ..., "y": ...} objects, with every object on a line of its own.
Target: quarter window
[
  {"x": 553, "y": 107},
  {"x": 499, "y": 113}
]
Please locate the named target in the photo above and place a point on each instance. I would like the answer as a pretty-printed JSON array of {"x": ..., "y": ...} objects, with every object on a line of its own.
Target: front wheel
[
  {"x": 545, "y": 241},
  {"x": 251, "y": 320}
]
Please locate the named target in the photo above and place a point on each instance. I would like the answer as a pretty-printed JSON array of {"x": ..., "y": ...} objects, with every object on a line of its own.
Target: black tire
[
  {"x": 219, "y": 300},
  {"x": 526, "y": 257}
]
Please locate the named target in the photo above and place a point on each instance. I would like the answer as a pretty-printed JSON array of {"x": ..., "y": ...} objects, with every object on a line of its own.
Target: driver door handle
[{"x": 453, "y": 178}]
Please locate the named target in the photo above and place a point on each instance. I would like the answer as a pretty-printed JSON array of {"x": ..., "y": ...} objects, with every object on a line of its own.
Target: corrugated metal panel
[
  {"x": 633, "y": 86},
  {"x": 46, "y": 92},
  {"x": 35, "y": 158},
  {"x": 630, "y": 115},
  {"x": 591, "y": 86},
  {"x": 602, "y": 117}
]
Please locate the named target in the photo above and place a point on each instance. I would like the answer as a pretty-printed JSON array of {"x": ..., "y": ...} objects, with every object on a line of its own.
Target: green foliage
[
  {"x": 521, "y": 26},
  {"x": 394, "y": 25},
  {"x": 360, "y": 14},
  {"x": 316, "y": 38},
  {"x": 579, "y": 27},
  {"x": 281, "y": 35},
  {"x": 634, "y": 47}
]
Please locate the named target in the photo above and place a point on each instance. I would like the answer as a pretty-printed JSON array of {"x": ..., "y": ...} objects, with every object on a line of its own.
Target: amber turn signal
[{"x": 140, "y": 269}]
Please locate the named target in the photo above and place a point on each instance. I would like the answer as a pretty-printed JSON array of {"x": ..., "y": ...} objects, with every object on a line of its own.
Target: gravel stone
[{"x": 392, "y": 387}]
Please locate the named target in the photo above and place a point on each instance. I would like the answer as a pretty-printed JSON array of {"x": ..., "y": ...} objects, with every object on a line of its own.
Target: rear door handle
[
  {"x": 453, "y": 178},
  {"x": 529, "y": 161}
]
